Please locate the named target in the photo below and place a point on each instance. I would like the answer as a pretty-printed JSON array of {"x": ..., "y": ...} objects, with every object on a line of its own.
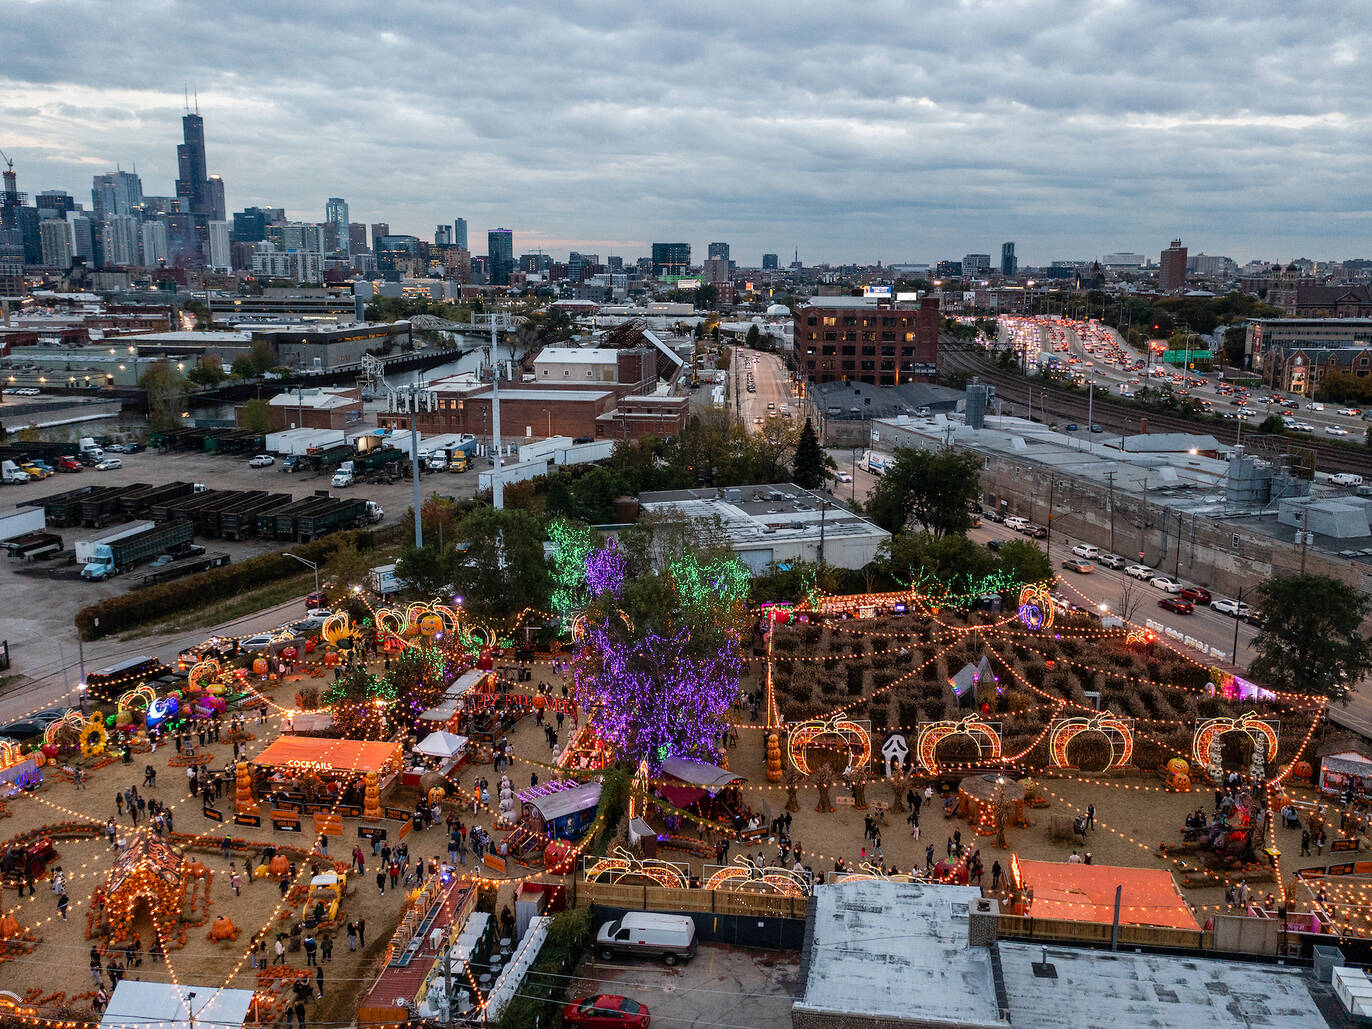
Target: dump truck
[
  {"x": 119, "y": 556},
  {"x": 239, "y": 520},
  {"x": 85, "y": 548},
  {"x": 175, "y": 569},
  {"x": 102, "y": 503},
  {"x": 344, "y": 514}
]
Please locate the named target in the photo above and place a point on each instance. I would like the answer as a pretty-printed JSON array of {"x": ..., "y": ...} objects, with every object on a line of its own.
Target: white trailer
[
  {"x": 85, "y": 548},
  {"x": 302, "y": 441},
  {"x": 22, "y": 521},
  {"x": 521, "y": 471},
  {"x": 585, "y": 453}
]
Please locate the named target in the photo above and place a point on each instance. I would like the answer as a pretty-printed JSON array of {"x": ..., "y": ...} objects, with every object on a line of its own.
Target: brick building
[{"x": 868, "y": 339}]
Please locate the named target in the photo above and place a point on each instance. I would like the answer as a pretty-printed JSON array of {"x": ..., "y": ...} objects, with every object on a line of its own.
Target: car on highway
[
  {"x": 1181, "y": 607},
  {"x": 843, "y": 477},
  {"x": 1165, "y": 583},
  {"x": 1335, "y": 430},
  {"x": 1096, "y": 427},
  {"x": 1351, "y": 412},
  {"x": 1228, "y": 606},
  {"x": 1112, "y": 561},
  {"x": 262, "y": 461},
  {"x": 1073, "y": 564},
  {"x": 1196, "y": 594},
  {"x": 1086, "y": 550},
  {"x": 606, "y": 1011},
  {"x": 109, "y": 464},
  {"x": 1139, "y": 572}
]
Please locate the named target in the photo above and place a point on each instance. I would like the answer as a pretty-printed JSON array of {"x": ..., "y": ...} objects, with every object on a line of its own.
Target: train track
[{"x": 1053, "y": 403}]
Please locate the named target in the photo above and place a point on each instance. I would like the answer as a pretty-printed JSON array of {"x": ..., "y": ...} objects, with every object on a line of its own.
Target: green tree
[
  {"x": 916, "y": 557},
  {"x": 242, "y": 367},
  {"x": 260, "y": 354},
  {"x": 934, "y": 488},
  {"x": 1024, "y": 561},
  {"x": 255, "y": 415},
  {"x": 753, "y": 335},
  {"x": 1273, "y": 425},
  {"x": 206, "y": 375},
  {"x": 165, "y": 388},
  {"x": 500, "y": 566},
  {"x": 812, "y": 464},
  {"x": 431, "y": 570},
  {"x": 1312, "y": 640}
]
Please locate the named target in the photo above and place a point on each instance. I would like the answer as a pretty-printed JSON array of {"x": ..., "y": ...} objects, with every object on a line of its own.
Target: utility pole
[
  {"x": 497, "y": 486},
  {"x": 1090, "y": 406},
  {"x": 852, "y": 498},
  {"x": 414, "y": 467},
  {"x": 1110, "y": 479},
  {"x": 1048, "y": 539},
  {"x": 1305, "y": 536},
  {"x": 823, "y": 511},
  {"x": 1238, "y": 602}
]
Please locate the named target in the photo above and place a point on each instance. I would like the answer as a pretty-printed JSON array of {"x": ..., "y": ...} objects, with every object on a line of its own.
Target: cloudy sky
[{"x": 879, "y": 130}]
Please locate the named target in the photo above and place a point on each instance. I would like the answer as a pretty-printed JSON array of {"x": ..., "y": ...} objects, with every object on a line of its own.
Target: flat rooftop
[{"x": 777, "y": 511}]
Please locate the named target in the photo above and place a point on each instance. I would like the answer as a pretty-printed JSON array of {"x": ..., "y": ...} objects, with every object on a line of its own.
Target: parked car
[
  {"x": 994, "y": 544},
  {"x": 843, "y": 477},
  {"x": 1142, "y": 572},
  {"x": 1086, "y": 550},
  {"x": 1196, "y": 594},
  {"x": 606, "y": 1011},
  {"x": 1250, "y": 616},
  {"x": 1073, "y": 564},
  {"x": 650, "y": 934},
  {"x": 23, "y": 730},
  {"x": 1038, "y": 532},
  {"x": 993, "y": 515},
  {"x": 1166, "y": 583},
  {"x": 1181, "y": 607},
  {"x": 109, "y": 464},
  {"x": 1230, "y": 607},
  {"x": 1112, "y": 561},
  {"x": 262, "y": 461}
]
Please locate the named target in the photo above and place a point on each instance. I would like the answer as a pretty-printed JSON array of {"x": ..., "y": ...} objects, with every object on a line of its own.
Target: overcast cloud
[{"x": 880, "y": 130}]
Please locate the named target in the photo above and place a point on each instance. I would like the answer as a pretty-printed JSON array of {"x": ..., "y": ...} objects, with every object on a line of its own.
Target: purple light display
[
  {"x": 655, "y": 698},
  {"x": 605, "y": 570}
]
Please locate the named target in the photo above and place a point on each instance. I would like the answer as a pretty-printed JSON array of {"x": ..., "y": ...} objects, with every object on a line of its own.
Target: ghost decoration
[{"x": 895, "y": 750}]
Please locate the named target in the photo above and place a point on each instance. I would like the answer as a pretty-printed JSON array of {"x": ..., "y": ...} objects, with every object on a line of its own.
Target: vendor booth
[
  {"x": 300, "y": 770},
  {"x": 440, "y": 752},
  {"x": 687, "y": 780},
  {"x": 1347, "y": 771},
  {"x": 561, "y": 814}
]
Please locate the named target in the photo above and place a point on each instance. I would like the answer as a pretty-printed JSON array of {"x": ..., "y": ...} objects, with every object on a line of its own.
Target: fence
[
  {"x": 1014, "y": 927},
  {"x": 662, "y": 898}
]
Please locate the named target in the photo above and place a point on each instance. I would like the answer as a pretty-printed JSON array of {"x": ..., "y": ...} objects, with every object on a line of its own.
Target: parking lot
[
  {"x": 43, "y": 598},
  {"x": 722, "y": 987}
]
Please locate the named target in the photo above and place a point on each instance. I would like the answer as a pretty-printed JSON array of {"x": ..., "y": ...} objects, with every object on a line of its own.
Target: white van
[
  {"x": 1017, "y": 523},
  {"x": 1345, "y": 479},
  {"x": 670, "y": 937}
]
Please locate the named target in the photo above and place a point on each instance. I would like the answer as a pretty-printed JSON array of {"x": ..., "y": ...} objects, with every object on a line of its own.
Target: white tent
[
  {"x": 442, "y": 713},
  {"x": 442, "y": 744},
  {"x": 143, "y": 1005}
]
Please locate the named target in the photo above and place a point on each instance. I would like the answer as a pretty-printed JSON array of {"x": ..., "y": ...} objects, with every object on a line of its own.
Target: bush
[{"x": 116, "y": 614}]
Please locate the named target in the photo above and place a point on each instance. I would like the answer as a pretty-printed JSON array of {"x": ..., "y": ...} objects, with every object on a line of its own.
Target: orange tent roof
[
  {"x": 1086, "y": 893},
  {"x": 339, "y": 755}
]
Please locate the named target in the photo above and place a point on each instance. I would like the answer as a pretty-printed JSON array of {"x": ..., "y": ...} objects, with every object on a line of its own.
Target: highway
[{"x": 772, "y": 384}]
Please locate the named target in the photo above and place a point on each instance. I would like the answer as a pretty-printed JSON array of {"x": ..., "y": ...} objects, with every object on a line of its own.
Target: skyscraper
[
  {"x": 770, "y": 262},
  {"x": 116, "y": 192},
  {"x": 380, "y": 230},
  {"x": 1009, "y": 264},
  {"x": 55, "y": 237},
  {"x": 218, "y": 234},
  {"x": 671, "y": 259},
  {"x": 357, "y": 237},
  {"x": 1172, "y": 267},
  {"x": 718, "y": 250},
  {"x": 119, "y": 240},
  {"x": 336, "y": 217},
  {"x": 443, "y": 235},
  {"x": 154, "y": 243},
  {"x": 200, "y": 196},
  {"x": 460, "y": 233},
  {"x": 82, "y": 237},
  {"x": 500, "y": 255}
]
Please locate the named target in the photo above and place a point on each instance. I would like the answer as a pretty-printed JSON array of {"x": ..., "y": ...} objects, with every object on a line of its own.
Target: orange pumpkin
[
  {"x": 1302, "y": 771},
  {"x": 260, "y": 666}
]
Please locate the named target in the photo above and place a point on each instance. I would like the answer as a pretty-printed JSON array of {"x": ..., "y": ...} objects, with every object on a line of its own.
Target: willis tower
[{"x": 199, "y": 196}]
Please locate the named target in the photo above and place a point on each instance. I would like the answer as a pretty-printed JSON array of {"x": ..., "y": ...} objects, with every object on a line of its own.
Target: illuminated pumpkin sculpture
[
  {"x": 1212, "y": 729},
  {"x": 622, "y": 866},
  {"x": 1118, "y": 732},
  {"x": 934, "y": 733},
  {"x": 1036, "y": 606},
  {"x": 853, "y": 735}
]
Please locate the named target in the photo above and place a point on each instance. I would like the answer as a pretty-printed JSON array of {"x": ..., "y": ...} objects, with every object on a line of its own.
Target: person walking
[
  {"x": 326, "y": 947},
  {"x": 995, "y": 875},
  {"x": 352, "y": 936},
  {"x": 311, "y": 945},
  {"x": 362, "y": 933},
  {"x": 280, "y": 950},
  {"x": 319, "y": 979},
  {"x": 1091, "y": 816}
]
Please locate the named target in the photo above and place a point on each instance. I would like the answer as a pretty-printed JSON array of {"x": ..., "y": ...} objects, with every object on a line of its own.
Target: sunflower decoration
[
  {"x": 93, "y": 737},
  {"x": 338, "y": 631}
]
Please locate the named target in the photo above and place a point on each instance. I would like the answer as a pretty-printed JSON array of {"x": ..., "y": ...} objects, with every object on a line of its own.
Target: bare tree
[{"x": 1128, "y": 604}]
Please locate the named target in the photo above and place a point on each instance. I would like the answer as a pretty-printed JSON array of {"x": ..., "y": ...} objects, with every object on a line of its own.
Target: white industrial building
[
  {"x": 776, "y": 524},
  {"x": 576, "y": 364}
]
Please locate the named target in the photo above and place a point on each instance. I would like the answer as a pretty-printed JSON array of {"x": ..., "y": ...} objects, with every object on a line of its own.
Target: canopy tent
[
  {"x": 1348, "y": 770},
  {"x": 1086, "y": 893},
  {"x": 441, "y": 744},
  {"x": 697, "y": 777},
  {"x": 319, "y": 754},
  {"x": 136, "y": 1004}
]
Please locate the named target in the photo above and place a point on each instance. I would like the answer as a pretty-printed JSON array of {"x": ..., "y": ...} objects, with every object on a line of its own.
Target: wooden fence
[
  {"x": 664, "y": 898},
  {"x": 1013, "y": 927}
]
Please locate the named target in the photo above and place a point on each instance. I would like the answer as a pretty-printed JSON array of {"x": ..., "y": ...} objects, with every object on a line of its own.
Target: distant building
[
  {"x": 443, "y": 235},
  {"x": 323, "y": 407},
  {"x": 154, "y": 242},
  {"x": 119, "y": 240},
  {"x": 716, "y": 269},
  {"x": 671, "y": 260},
  {"x": 249, "y": 225},
  {"x": 336, "y": 218},
  {"x": 217, "y": 236},
  {"x": 976, "y": 264},
  {"x": 54, "y": 237},
  {"x": 117, "y": 192},
  {"x": 948, "y": 269},
  {"x": 720, "y": 250},
  {"x": 867, "y": 339},
  {"x": 357, "y": 237},
  {"x": 1273, "y": 346},
  {"x": 776, "y": 523},
  {"x": 1323, "y": 301},
  {"x": 380, "y": 230},
  {"x": 1009, "y": 264},
  {"x": 770, "y": 262},
  {"x": 500, "y": 255},
  {"x": 1172, "y": 267},
  {"x": 460, "y": 233}
]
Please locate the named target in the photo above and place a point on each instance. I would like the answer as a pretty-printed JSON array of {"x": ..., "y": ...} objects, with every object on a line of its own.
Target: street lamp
[{"x": 308, "y": 564}]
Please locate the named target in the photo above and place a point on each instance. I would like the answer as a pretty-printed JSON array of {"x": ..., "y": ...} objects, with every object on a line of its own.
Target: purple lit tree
[{"x": 661, "y": 654}]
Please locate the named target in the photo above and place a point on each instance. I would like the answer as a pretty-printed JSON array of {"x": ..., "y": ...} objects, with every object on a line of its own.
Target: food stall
[
  {"x": 440, "y": 752},
  {"x": 304, "y": 769},
  {"x": 1346, "y": 771}
]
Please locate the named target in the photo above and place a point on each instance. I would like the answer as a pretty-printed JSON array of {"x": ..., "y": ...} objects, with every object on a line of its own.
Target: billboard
[{"x": 876, "y": 291}]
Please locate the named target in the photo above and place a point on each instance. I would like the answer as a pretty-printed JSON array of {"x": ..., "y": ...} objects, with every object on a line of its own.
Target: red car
[
  {"x": 1181, "y": 607},
  {"x": 1196, "y": 594},
  {"x": 68, "y": 464},
  {"x": 606, "y": 1011}
]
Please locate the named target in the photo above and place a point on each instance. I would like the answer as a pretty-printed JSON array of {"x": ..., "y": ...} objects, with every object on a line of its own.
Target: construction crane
[{"x": 9, "y": 165}]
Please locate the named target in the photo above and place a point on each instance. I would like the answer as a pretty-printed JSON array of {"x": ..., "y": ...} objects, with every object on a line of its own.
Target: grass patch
[{"x": 218, "y": 611}]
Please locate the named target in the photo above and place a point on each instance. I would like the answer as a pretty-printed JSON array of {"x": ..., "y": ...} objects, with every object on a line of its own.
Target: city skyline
[{"x": 1072, "y": 136}]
